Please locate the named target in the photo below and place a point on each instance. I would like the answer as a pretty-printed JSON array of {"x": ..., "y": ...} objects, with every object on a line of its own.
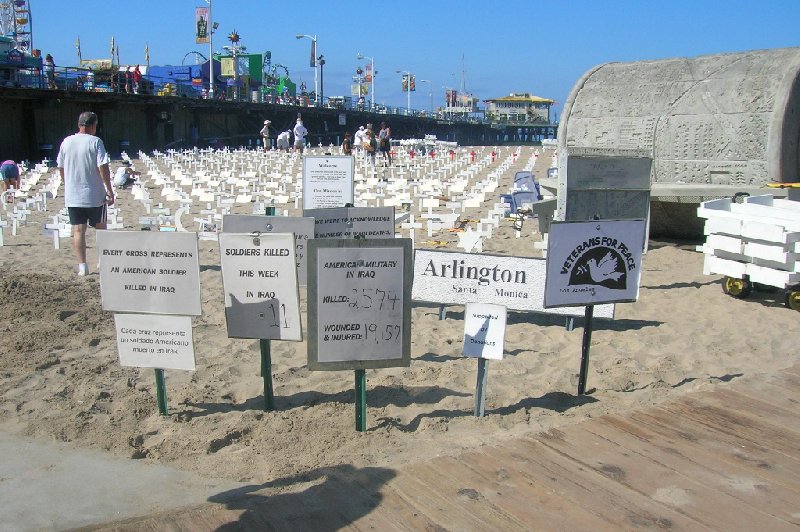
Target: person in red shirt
[{"x": 137, "y": 80}]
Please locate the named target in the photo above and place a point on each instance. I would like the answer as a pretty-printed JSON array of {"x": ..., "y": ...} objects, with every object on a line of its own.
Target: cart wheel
[
  {"x": 738, "y": 288},
  {"x": 792, "y": 299}
]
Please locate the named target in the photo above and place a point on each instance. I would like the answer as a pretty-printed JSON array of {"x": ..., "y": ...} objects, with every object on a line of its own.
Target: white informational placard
[
  {"x": 484, "y": 330},
  {"x": 351, "y": 222},
  {"x": 327, "y": 181},
  {"x": 359, "y": 307},
  {"x": 259, "y": 278},
  {"x": 301, "y": 227},
  {"x": 517, "y": 283},
  {"x": 149, "y": 271},
  {"x": 151, "y": 341},
  {"x": 594, "y": 262}
]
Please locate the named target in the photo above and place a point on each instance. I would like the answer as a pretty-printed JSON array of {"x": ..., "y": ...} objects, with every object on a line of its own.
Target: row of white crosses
[{"x": 36, "y": 187}]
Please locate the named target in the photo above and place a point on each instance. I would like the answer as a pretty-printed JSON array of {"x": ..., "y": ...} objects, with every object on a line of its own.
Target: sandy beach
[{"x": 61, "y": 378}]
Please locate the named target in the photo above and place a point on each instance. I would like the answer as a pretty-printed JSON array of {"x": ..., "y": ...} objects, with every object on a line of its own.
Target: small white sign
[
  {"x": 594, "y": 262},
  {"x": 484, "y": 330},
  {"x": 149, "y": 271},
  {"x": 259, "y": 278},
  {"x": 327, "y": 181},
  {"x": 151, "y": 341}
]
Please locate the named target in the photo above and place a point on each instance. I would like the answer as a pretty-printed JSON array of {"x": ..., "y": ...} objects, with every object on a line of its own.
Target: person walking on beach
[
  {"x": 385, "y": 144},
  {"x": 265, "y": 135},
  {"x": 283, "y": 140},
  {"x": 300, "y": 133},
  {"x": 50, "y": 71},
  {"x": 347, "y": 144},
  {"x": 83, "y": 166}
]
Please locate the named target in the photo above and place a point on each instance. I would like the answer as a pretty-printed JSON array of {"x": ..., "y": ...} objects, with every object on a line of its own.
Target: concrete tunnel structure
[{"x": 728, "y": 119}]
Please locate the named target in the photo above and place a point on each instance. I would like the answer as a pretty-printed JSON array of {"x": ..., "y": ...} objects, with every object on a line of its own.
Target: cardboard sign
[
  {"x": 149, "y": 341},
  {"x": 351, "y": 222},
  {"x": 484, "y": 330},
  {"x": 518, "y": 283},
  {"x": 594, "y": 262},
  {"x": 302, "y": 228},
  {"x": 150, "y": 272},
  {"x": 359, "y": 304},
  {"x": 259, "y": 278},
  {"x": 327, "y": 181}
]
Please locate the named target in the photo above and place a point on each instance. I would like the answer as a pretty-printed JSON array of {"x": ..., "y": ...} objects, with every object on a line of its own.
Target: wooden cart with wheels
[{"x": 754, "y": 242}]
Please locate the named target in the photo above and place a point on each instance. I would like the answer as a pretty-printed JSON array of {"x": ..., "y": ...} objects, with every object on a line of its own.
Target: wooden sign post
[{"x": 484, "y": 337}]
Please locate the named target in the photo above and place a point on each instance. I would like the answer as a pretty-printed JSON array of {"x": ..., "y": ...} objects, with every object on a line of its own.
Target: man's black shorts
[{"x": 93, "y": 215}]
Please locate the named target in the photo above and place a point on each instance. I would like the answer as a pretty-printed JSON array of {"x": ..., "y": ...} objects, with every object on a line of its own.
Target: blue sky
[{"x": 507, "y": 45}]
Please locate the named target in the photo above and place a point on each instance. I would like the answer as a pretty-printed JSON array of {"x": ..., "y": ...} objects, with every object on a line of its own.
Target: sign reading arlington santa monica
[{"x": 518, "y": 283}]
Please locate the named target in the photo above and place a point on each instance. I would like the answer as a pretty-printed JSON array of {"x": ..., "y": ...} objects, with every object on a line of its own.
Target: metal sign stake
[
  {"x": 266, "y": 374},
  {"x": 361, "y": 400},
  {"x": 442, "y": 313},
  {"x": 587, "y": 340},
  {"x": 480, "y": 387},
  {"x": 161, "y": 392}
]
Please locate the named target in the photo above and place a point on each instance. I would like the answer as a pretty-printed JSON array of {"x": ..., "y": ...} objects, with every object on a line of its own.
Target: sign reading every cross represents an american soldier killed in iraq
[
  {"x": 327, "y": 181},
  {"x": 259, "y": 278},
  {"x": 594, "y": 262},
  {"x": 359, "y": 304},
  {"x": 151, "y": 272}
]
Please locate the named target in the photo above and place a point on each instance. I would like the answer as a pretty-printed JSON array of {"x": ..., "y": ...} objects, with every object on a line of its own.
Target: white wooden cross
[
  {"x": 411, "y": 225},
  {"x": 470, "y": 241}
]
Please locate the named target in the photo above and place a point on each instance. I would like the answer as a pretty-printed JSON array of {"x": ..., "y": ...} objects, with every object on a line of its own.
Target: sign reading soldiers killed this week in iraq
[
  {"x": 359, "y": 304},
  {"x": 594, "y": 262},
  {"x": 259, "y": 278},
  {"x": 151, "y": 272}
]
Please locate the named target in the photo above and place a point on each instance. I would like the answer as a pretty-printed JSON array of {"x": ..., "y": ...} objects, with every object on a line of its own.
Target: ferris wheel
[{"x": 15, "y": 23}]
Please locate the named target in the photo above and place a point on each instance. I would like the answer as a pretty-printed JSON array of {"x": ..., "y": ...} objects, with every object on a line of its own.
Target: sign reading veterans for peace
[
  {"x": 259, "y": 278},
  {"x": 594, "y": 262},
  {"x": 450, "y": 278},
  {"x": 359, "y": 304},
  {"x": 149, "y": 271},
  {"x": 327, "y": 181},
  {"x": 352, "y": 222},
  {"x": 484, "y": 330},
  {"x": 302, "y": 228},
  {"x": 148, "y": 341}
]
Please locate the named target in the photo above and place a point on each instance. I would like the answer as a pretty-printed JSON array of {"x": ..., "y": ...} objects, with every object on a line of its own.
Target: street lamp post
[
  {"x": 212, "y": 27},
  {"x": 314, "y": 63},
  {"x": 321, "y": 63},
  {"x": 430, "y": 90},
  {"x": 407, "y": 74},
  {"x": 360, "y": 56}
]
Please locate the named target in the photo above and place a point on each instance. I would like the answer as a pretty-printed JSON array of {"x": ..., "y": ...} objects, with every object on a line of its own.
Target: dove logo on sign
[{"x": 602, "y": 266}]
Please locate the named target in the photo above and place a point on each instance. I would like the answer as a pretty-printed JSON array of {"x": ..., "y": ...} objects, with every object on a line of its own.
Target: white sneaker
[{"x": 83, "y": 269}]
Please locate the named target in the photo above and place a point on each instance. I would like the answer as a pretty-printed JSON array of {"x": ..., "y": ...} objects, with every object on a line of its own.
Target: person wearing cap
[
  {"x": 265, "y": 135},
  {"x": 358, "y": 140},
  {"x": 83, "y": 166},
  {"x": 300, "y": 133}
]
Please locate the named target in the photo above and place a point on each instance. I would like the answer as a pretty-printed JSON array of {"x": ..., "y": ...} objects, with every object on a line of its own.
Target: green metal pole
[
  {"x": 480, "y": 387},
  {"x": 361, "y": 400},
  {"x": 266, "y": 373},
  {"x": 161, "y": 392},
  {"x": 270, "y": 211}
]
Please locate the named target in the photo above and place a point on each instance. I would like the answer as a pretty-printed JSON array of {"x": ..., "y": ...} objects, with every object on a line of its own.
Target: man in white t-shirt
[
  {"x": 358, "y": 141},
  {"x": 83, "y": 165},
  {"x": 300, "y": 133},
  {"x": 283, "y": 140},
  {"x": 125, "y": 176}
]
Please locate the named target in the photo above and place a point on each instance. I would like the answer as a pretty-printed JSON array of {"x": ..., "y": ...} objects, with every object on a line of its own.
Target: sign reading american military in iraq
[{"x": 593, "y": 262}]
